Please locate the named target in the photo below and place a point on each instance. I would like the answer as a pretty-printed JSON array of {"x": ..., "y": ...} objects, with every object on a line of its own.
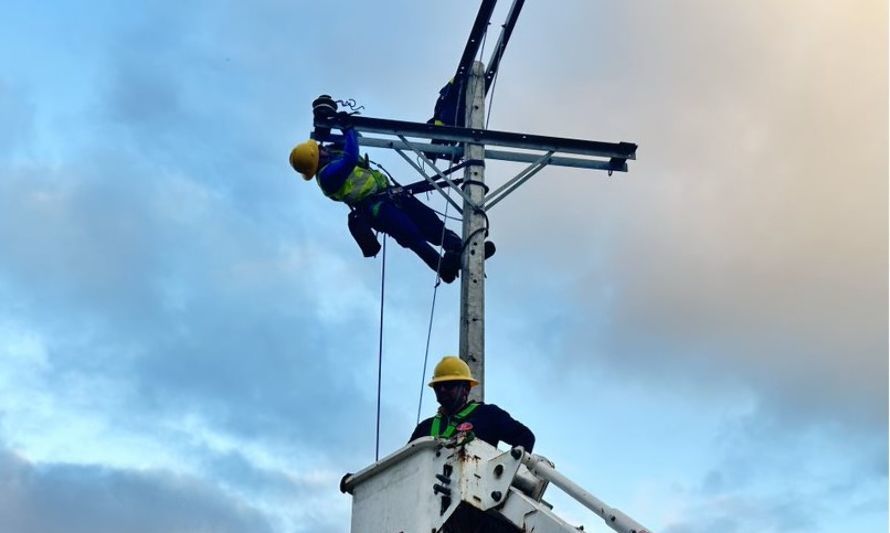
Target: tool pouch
[{"x": 361, "y": 231}]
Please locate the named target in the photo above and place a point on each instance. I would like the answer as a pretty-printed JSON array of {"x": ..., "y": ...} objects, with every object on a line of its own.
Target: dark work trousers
[{"x": 414, "y": 225}]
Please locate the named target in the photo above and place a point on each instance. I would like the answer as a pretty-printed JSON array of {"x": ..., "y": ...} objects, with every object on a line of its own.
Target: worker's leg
[
  {"x": 431, "y": 227},
  {"x": 396, "y": 223},
  {"x": 359, "y": 222},
  {"x": 429, "y": 223}
]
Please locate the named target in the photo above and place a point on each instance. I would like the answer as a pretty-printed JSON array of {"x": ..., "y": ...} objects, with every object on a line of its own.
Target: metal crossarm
[
  {"x": 619, "y": 152},
  {"x": 456, "y": 152},
  {"x": 615, "y": 165},
  {"x": 474, "y": 41},
  {"x": 438, "y": 150}
]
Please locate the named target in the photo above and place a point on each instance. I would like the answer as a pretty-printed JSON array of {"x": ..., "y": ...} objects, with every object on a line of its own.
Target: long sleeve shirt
[
  {"x": 333, "y": 175},
  {"x": 490, "y": 424}
]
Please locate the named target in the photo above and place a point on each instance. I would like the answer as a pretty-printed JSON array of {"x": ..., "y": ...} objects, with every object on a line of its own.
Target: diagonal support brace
[
  {"x": 501, "y": 192},
  {"x": 440, "y": 174},
  {"x": 430, "y": 180}
]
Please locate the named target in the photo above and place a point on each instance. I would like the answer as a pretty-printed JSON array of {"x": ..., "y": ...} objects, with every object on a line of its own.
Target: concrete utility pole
[
  {"x": 472, "y": 275},
  {"x": 470, "y": 144}
]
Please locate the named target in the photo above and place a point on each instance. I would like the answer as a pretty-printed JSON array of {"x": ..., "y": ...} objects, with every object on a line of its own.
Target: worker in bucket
[
  {"x": 452, "y": 382},
  {"x": 374, "y": 205}
]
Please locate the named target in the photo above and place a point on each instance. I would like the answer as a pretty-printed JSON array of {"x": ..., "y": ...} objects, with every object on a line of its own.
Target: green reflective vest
[
  {"x": 361, "y": 183},
  {"x": 452, "y": 425}
]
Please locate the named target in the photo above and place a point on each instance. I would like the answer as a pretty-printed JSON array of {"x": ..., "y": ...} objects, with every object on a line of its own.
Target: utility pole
[
  {"x": 470, "y": 145},
  {"x": 472, "y": 275}
]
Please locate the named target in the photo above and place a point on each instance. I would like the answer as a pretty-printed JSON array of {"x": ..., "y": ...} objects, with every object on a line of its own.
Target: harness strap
[{"x": 453, "y": 423}]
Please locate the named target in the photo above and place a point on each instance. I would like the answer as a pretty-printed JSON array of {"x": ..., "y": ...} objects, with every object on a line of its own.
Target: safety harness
[
  {"x": 362, "y": 183},
  {"x": 455, "y": 421}
]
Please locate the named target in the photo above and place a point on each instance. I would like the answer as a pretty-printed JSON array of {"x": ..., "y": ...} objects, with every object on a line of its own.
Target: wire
[
  {"x": 351, "y": 104},
  {"x": 494, "y": 82},
  {"x": 380, "y": 350},
  {"x": 444, "y": 215},
  {"x": 429, "y": 329}
]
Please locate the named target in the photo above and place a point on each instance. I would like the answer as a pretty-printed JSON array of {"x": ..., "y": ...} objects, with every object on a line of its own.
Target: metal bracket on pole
[
  {"x": 501, "y": 192},
  {"x": 438, "y": 150},
  {"x": 432, "y": 181},
  {"x": 432, "y": 165}
]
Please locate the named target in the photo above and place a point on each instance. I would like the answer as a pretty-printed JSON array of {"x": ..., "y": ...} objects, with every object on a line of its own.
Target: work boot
[
  {"x": 451, "y": 260},
  {"x": 490, "y": 249},
  {"x": 448, "y": 274},
  {"x": 450, "y": 266}
]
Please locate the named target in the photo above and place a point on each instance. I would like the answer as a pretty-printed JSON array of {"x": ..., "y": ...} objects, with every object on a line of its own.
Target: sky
[{"x": 189, "y": 336}]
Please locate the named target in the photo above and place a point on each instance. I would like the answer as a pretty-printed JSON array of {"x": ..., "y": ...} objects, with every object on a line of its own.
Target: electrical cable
[
  {"x": 380, "y": 350},
  {"x": 461, "y": 87},
  {"x": 494, "y": 83},
  {"x": 429, "y": 330}
]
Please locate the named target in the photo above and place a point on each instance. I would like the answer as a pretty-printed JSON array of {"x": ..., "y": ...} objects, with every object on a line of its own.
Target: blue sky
[{"x": 188, "y": 335}]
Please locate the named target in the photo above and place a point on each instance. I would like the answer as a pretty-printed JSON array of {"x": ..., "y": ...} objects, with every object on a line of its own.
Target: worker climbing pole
[{"x": 375, "y": 200}]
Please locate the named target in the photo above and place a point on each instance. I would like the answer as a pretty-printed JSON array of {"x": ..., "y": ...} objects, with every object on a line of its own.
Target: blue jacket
[
  {"x": 490, "y": 424},
  {"x": 333, "y": 175}
]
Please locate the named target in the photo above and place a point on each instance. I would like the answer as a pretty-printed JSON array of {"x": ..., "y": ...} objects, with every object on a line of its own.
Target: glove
[{"x": 343, "y": 118}]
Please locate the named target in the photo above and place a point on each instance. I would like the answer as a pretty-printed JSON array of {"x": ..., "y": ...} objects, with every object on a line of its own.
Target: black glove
[{"x": 343, "y": 118}]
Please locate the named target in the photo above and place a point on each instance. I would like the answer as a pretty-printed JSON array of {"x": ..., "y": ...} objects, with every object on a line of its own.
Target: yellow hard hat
[
  {"x": 452, "y": 368},
  {"x": 304, "y": 158}
]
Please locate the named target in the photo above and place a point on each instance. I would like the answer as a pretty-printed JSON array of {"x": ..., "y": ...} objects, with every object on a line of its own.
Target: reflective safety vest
[
  {"x": 361, "y": 183},
  {"x": 456, "y": 420}
]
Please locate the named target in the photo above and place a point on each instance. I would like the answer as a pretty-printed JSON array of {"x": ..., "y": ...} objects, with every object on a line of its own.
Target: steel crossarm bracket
[
  {"x": 430, "y": 180},
  {"x": 474, "y": 41},
  {"x": 456, "y": 152},
  {"x": 618, "y": 153},
  {"x": 433, "y": 182},
  {"x": 439, "y": 150},
  {"x": 501, "y": 192},
  {"x": 612, "y": 165},
  {"x": 506, "y": 31},
  {"x": 442, "y": 175}
]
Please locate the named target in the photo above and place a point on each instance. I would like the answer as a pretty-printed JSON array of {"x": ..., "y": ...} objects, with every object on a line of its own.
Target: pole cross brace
[{"x": 433, "y": 182}]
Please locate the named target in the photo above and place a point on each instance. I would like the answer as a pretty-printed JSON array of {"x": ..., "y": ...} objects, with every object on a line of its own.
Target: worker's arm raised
[{"x": 332, "y": 176}]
